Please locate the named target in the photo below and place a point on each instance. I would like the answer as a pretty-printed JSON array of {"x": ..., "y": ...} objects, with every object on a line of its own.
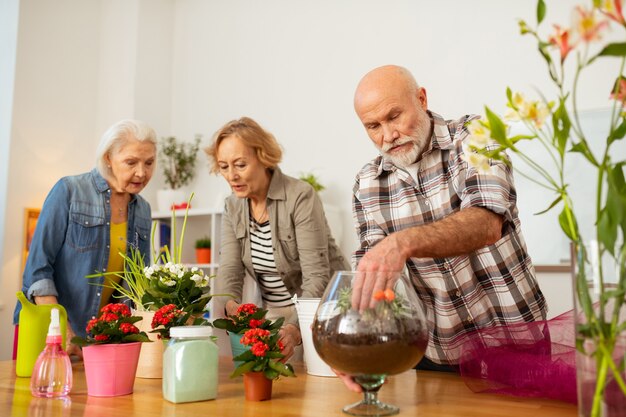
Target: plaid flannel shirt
[{"x": 494, "y": 285}]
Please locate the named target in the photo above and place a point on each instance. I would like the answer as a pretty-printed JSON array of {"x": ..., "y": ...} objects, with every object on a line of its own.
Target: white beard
[{"x": 419, "y": 139}]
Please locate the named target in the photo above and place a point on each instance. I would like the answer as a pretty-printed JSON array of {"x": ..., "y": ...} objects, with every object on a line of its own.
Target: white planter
[{"x": 165, "y": 198}]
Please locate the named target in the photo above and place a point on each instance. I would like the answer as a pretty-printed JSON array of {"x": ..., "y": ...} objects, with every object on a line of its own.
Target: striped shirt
[
  {"x": 273, "y": 289},
  {"x": 492, "y": 286}
]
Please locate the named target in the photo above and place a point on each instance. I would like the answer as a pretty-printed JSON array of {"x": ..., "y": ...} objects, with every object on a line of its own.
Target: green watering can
[{"x": 34, "y": 321}]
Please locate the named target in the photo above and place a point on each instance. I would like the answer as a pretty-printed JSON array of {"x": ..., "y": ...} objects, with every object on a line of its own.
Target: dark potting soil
[{"x": 370, "y": 354}]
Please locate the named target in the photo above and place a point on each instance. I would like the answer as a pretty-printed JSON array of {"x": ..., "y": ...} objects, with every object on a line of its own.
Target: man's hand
[
  {"x": 379, "y": 270},
  {"x": 348, "y": 381}
]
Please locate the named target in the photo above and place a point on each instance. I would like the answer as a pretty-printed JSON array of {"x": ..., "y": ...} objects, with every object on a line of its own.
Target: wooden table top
[{"x": 422, "y": 394}]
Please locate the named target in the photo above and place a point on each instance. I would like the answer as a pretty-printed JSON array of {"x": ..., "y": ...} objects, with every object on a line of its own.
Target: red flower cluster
[
  {"x": 247, "y": 309},
  {"x": 166, "y": 315},
  {"x": 254, "y": 335},
  {"x": 256, "y": 323},
  {"x": 264, "y": 353},
  {"x": 128, "y": 328},
  {"x": 170, "y": 316},
  {"x": 119, "y": 309},
  {"x": 114, "y": 325},
  {"x": 259, "y": 341}
]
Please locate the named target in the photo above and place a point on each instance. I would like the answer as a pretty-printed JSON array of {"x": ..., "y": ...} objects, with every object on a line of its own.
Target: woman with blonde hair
[{"x": 273, "y": 227}]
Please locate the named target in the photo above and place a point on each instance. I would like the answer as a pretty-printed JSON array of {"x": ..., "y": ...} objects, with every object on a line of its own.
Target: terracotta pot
[
  {"x": 257, "y": 387},
  {"x": 110, "y": 369},
  {"x": 203, "y": 255},
  {"x": 151, "y": 358}
]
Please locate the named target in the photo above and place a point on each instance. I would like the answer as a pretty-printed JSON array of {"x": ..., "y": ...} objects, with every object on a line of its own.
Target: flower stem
[{"x": 597, "y": 396}]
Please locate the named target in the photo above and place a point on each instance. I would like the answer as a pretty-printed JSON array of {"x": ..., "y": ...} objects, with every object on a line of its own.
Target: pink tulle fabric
[{"x": 528, "y": 360}]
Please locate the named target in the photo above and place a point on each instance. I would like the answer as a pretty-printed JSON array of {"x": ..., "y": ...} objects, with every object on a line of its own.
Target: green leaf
[
  {"x": 570, "y": 229},
  {"x": 281, "y": 368},
  {"x": 498, "y": 128},
  {"x": 277, "y": 324},
  {"x": 244, "y": 357},
  {"x": 618, "y": 133},
  {"x": 607, "y": 229},
  {"x": 561, "y": 124},
  {"x": 613, "y": 49},
  {"x": 274, "y": 355},
  {"x": 554, "y": 203},
  {"x": 242, "y": 369},
  {"x": 270, "y": 374},
  {"x": 581, "y": 147},
  {"x": 138, "y": 337},
  {"x": 79, "y": 341},
  {"x": 541, "y": 11}
]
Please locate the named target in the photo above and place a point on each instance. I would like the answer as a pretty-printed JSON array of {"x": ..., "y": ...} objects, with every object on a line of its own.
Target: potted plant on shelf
[
  {"x": 260, "y": 363},
  {"x": 600, "y": 275},
  {"x": 111, "y": 351},
  {"x": 203, "y": 250},
  {"x": 312, "y": 179},
  {"x": 248, "y": 316},
  {"x": 178, "y": 161}
]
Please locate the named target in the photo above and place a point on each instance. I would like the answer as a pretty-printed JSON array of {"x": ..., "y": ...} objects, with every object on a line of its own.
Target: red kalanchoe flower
[
  {"x": 91, "y": 324},
  {"x": 101, "y": 337},
  {"x": 247, "y": 309},
  {"x": 128, "y": 328},
  {"x": 119, "y": 309},
  {"x": 259, "y": 349},
  {"x": 253, "y": 335},
  {"x": 254, "y": 323},
  {"x": 109, "y": 317},
  {"x": 281, "y": 346}
]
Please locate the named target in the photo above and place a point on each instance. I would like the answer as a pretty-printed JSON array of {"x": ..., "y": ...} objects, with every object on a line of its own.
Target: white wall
[
  {"x": 52, "y": 122},
  {"x": 9, "y": 12},
  {"x": 293, "y": 67},
  {"x": 189, "y": 66}
]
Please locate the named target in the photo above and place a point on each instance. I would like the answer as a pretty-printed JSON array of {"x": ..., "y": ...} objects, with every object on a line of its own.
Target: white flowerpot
[{"x": 165, "y": 198}]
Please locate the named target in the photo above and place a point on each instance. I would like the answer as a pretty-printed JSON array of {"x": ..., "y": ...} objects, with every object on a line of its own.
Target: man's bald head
[{"x": 383, "y": 81}]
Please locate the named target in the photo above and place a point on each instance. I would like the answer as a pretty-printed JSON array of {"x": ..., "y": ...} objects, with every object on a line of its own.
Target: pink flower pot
[{"x": 110, "y": 369}]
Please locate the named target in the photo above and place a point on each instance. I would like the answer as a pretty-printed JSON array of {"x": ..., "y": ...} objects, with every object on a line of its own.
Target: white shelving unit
[{"x": 200, "y": 223}]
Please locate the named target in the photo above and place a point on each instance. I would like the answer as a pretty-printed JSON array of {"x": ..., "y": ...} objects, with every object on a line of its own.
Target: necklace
[{"x": 259, "y": 218}]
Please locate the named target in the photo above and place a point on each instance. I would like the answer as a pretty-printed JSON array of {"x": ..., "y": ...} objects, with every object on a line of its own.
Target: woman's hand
[
  {"x": 231, "y": 307},
  {"x": 290, "y": 336},
  {"x": 70, "y": 348}
]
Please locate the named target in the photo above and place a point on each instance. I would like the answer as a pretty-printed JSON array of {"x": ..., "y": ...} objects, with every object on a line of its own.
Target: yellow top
[{"x": 116, "y": 262}]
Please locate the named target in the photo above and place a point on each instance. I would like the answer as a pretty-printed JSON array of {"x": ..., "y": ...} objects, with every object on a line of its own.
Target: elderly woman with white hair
[{"x": 87, "y": 220}]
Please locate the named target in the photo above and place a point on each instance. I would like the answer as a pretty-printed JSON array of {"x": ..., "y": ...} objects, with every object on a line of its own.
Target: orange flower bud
[{"x": 379, "y": 295}]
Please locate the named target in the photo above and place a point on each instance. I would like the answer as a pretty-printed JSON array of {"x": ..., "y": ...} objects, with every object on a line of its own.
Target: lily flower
[
  {"x": 587, "y": 24},
  {"x": 561, "y": 39},
  {"x": 613, "y": 9},
  {"x": 619, "y": 91}
]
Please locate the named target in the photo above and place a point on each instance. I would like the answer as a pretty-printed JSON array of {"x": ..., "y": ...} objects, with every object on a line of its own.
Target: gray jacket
[{"x": 305, "y": 252}]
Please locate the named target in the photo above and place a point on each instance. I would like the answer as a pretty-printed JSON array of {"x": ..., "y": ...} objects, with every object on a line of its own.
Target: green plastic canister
[{"x": 34, "y": 320}]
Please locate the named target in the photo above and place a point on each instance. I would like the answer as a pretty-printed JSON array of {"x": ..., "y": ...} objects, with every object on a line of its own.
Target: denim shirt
[{"x": 71, "y": 241}]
